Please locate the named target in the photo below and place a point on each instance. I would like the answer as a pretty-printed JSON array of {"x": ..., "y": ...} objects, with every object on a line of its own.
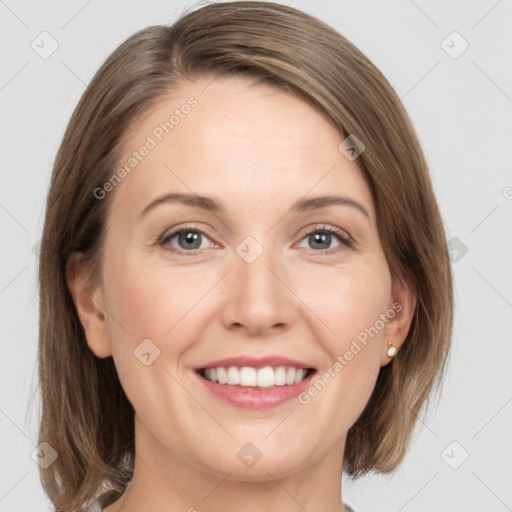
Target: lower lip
[{"x": 256, "y": 398}]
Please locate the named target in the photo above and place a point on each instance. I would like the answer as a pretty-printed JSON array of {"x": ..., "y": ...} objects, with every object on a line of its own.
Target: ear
[
  {"x": 88, "y": 300},
  {"x": 395, "y": 332}
]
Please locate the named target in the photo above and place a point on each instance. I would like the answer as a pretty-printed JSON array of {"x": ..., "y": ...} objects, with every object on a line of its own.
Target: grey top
[{"x": 95, "y": 507}]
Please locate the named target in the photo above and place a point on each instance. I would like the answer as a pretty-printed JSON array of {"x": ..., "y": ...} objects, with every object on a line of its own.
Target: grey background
[{"x": 462, "y": 110}]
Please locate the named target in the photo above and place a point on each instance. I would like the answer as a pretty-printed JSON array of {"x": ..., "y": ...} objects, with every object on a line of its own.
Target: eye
[
  {"x": 321, "y": 238},
  {"x": 189, "y": 239}
]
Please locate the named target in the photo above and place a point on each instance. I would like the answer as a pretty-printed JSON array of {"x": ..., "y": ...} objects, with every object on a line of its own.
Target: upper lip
[{"x": 254, "y": 362}]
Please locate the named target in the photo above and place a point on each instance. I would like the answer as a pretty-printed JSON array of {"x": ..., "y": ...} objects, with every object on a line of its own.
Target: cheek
[
  {"x": 150, "y": 313},
  {"x": 155, "y": 302},
  {"x": 139, "y": 295},
  {"x": 350, "y": 302}
]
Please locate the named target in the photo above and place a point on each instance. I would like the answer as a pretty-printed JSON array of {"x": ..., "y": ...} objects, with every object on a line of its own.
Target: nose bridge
[
  {"x": 257, "y": 297},
  {"x": 252, "y": 265}
]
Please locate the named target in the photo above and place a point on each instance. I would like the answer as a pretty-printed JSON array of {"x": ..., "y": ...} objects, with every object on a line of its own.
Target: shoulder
[{"x": 96, "y": 507}]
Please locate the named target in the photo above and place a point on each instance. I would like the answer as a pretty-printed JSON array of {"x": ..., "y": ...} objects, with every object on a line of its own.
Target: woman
[{"x": 244, "y": 279}]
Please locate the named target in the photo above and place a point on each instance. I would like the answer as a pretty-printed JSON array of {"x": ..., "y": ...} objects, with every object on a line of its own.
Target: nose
[{"x": 258, "y": 301}]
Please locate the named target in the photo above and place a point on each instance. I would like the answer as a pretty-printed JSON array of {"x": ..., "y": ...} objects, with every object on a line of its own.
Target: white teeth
[
  {"x": 247, "y": 376},
  {"x": 262, "y": 377},
  {"x": 280, "y": 376},
  {"x": 266, "y": 378},
  {"x": 299, "y": 375},
  {"x": 233, "y": 376},
  {"x": 222, "y": 376}
]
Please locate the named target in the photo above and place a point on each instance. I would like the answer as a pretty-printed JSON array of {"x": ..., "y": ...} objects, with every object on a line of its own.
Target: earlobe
[
  {"x": 88, "y": 300},
  {"x": 395, "y": 332}
]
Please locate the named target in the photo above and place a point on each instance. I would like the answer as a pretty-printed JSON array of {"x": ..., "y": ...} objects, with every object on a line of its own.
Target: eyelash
[{"x": 341, "y": 235}]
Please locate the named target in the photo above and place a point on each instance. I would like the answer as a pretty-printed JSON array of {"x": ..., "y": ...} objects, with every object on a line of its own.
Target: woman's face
[{"x": 256, "y": 277}]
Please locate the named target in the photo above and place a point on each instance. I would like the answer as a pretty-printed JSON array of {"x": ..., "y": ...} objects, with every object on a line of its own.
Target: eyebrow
[{"x": 211, "y": 205}]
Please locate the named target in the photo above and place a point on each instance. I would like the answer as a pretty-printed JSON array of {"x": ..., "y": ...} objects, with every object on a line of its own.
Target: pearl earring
[{"x": 391, "y": 350}]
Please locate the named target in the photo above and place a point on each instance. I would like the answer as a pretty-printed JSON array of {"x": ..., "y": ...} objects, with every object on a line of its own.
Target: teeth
[
  {"x": 266, "y": 377},
  {"x": 280, "y": 376},
  {"x": 262, "y": 377},
  {"x": 246, "y": 376},
  {"x": 233, "y": 376},
  {"x": 222, "y": 376},
  {"x": 299, "y": 375}
]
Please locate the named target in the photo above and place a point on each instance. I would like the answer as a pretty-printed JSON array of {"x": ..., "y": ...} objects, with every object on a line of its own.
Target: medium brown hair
[{"x": 86, "y": 416}]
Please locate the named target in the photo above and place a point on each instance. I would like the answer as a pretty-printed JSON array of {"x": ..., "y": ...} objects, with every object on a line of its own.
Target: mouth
[
  {"x": 268, "y": 377},
  {"x": 255, "y": 388},
  {"x": 252, "y": 382}
]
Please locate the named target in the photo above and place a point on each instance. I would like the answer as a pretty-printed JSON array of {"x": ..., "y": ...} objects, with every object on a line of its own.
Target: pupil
[
  {"x": 190, "y": 237},
  {"x": 322, "y": 238}
]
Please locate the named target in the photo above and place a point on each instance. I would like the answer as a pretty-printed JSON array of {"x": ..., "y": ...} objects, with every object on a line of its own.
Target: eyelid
[
  {"x": 172, "y": 232},
  {"x": 343, "y": 236},
  {"x": 321, "y": 227}
]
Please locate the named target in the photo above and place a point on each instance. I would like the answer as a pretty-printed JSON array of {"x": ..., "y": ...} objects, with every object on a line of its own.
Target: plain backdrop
[{"x": 451, "y": 64}]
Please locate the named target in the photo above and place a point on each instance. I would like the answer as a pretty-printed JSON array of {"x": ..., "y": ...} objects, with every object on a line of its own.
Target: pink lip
[
  {"x": 254, "y": 362},
  {"x": 256, "y": 398}
]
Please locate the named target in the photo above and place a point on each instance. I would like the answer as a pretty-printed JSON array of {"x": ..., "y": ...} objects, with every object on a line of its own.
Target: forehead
[{"x": 248, "y": 143}]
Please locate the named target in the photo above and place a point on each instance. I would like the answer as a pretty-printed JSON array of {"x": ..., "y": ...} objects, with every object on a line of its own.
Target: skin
[{"x": 258, "y": 150}]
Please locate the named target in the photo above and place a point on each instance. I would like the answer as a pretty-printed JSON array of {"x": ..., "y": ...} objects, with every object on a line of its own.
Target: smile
[
  {"x": 246, "y": 376},
  {"x": 255, "y": 388}
]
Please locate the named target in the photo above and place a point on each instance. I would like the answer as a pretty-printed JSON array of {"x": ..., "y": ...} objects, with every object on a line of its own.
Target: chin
[{"x": 249, "y": 465}]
